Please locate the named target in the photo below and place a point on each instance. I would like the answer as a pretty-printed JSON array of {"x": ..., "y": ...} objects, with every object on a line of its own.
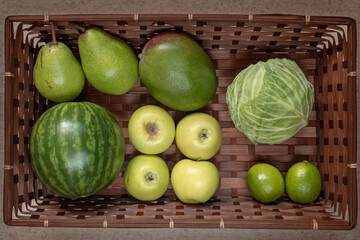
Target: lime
[
  {"x": 303, "y": 182},
  {"x": 265, "y": 182}
]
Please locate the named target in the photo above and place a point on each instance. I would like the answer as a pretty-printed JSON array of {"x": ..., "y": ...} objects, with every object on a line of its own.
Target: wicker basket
[{"x": 325, "y": 49}]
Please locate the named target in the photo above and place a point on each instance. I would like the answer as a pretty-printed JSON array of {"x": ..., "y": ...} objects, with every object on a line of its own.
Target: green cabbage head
[{"x": 270, "y": 102}]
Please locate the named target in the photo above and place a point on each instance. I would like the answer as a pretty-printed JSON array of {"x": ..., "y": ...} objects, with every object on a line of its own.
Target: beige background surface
[{"x": 350, "y": 8}]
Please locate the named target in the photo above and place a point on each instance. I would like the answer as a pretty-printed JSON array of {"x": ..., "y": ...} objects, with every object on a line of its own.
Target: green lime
[
  {"x": 303, "y": 182},
  {"x": 265, "y": 182}
]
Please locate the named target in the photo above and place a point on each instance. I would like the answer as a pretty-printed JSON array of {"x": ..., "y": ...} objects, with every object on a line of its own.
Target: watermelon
[{"x": 77, "y": 149}]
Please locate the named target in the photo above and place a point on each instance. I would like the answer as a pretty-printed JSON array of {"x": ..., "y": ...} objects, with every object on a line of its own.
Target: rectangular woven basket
[{"x": 324, "y": 48}]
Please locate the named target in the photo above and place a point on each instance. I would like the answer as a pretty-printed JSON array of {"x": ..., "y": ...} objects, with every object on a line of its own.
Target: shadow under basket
[{"x": 323, "y": 47}]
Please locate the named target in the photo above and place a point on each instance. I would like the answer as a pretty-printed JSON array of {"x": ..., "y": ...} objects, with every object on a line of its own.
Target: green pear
[
  {"x": 109, "y": 63},
  {"x": 57, "y": 73}
]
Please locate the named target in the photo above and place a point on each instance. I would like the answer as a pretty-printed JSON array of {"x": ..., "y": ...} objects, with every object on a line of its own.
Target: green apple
[
  {"x": 198, "y": 136},
  {"x": 146, "y": 177},
  {"x": 194, "y": 181},
  {"x": 151, "y": 129}
]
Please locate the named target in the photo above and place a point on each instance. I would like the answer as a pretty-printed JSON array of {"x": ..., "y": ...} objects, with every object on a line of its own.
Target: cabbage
[{"x": 270, "y": 102}]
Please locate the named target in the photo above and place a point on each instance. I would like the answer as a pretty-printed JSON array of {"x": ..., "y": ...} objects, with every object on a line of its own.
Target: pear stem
[
  {"x": 81, "y": 28},
  {"x": 54, "y": 42}
]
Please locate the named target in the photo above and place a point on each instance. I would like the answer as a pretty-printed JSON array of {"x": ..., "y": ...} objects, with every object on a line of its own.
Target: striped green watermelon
[{"x": 77, "y": 149}]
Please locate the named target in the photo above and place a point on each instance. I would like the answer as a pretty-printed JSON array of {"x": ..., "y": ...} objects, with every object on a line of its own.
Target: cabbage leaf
[{"x": 270, "y": 102}]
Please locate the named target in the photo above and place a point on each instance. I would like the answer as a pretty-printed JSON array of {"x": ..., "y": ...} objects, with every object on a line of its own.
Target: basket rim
[
  {"x": 304, "y": 19},
  {"x": 171, "y": 223},
  {"x": 190, "y": 16}
]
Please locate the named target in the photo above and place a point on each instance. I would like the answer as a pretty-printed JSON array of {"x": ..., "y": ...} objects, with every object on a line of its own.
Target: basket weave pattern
[{"x": 324, "y": 48}]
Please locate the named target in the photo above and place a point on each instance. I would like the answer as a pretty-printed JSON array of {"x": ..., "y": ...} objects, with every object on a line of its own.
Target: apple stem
[
  {"x": 204, "y": 134},
  {"x": 151, "y": 176},
  {"x": 152, "y": 129}
]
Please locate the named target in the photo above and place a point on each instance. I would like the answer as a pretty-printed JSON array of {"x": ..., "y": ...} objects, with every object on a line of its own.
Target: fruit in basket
[
  {"x": 109, "y": 63},
  {"x": 57, "y": 74},
  {"x": 151, "y": 129},
  {"x": 77, "y": 149},
  {"x": 194, "y": 181},
  {"x": 146, "y": 177},
  {"x": 270, "y": 102},
  {"x": 198, "y": 136},
  {"x": 177, "y": 72},
  {"x": 303, "y": 182},
  {"x": 265, "y": 182}
]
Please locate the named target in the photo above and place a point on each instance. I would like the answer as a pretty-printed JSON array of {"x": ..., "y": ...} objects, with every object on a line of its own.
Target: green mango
[
  {"x": 109, "y": 64},
  {"x": 177, "y": 72},
  {"x": 57, "y": 74}
]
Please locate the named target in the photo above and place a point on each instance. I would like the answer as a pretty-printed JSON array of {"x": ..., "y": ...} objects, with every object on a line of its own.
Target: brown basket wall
[{"x": 325, "y": 49}]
